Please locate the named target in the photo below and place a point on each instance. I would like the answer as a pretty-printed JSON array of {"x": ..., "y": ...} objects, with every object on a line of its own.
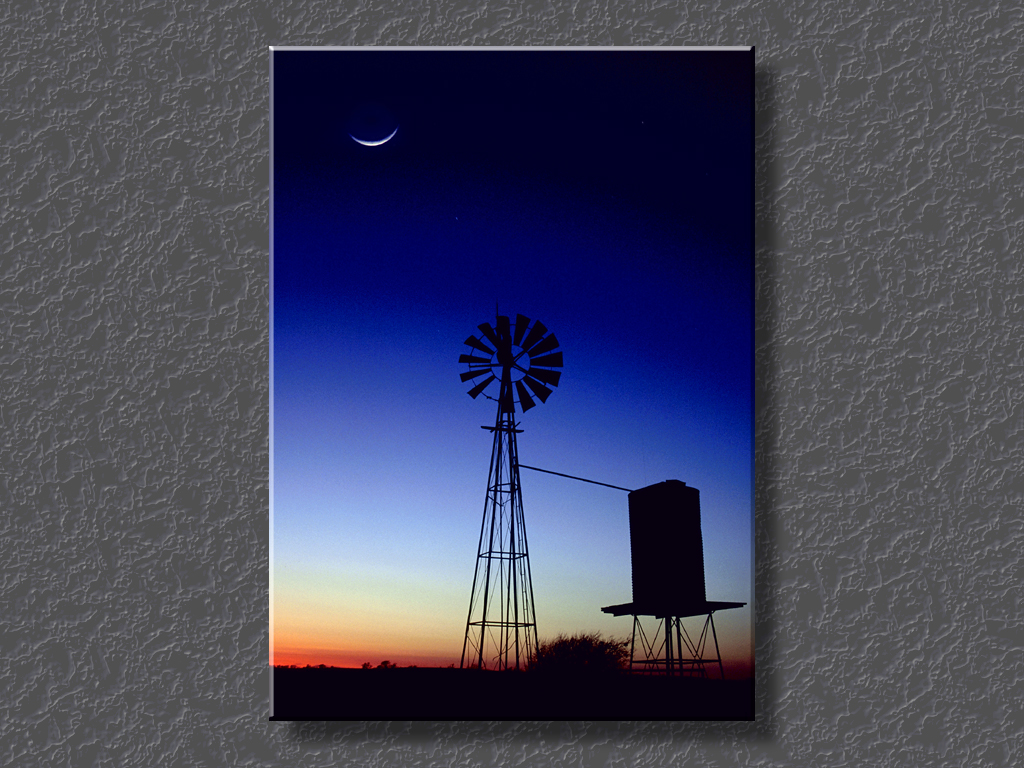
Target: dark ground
[{"x": 455, "y": 694}]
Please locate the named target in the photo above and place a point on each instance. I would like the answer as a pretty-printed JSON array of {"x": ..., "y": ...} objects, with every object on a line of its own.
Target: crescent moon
[{"x": 374, "y": 143}]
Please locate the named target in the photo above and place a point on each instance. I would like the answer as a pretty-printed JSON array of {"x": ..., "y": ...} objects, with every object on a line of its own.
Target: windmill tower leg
[{"x": 501, "y": 629}]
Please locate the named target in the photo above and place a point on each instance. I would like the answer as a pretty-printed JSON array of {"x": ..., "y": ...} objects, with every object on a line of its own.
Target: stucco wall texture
[{"x": 134, "y": 330}]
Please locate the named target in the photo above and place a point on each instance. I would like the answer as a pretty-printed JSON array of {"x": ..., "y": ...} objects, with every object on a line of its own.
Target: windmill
[{"x": 510, "y": 365}]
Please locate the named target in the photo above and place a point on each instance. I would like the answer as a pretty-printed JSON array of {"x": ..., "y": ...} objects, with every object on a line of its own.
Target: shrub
[{"x": 584, "y": 653}]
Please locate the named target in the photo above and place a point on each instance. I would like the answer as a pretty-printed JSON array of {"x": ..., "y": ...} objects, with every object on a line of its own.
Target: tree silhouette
[{"x": 583, "y": 653}]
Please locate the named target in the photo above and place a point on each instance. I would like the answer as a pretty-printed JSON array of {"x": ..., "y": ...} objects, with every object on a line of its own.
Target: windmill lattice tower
[{"x": 506, "y": 364}]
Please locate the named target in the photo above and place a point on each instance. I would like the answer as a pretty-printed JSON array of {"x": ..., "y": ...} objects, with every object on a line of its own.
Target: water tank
[{"x": 666, "y": 547}]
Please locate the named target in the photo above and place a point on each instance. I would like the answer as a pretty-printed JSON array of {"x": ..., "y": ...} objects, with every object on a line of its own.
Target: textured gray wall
[{"x": 134, "y": 352}]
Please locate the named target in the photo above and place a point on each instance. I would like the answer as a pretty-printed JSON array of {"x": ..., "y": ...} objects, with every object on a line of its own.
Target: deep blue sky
[{"x": 607, "y": 194}]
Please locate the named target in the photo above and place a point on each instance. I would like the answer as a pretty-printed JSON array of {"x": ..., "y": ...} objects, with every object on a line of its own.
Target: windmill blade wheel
[{"x": 521, "y": 358}]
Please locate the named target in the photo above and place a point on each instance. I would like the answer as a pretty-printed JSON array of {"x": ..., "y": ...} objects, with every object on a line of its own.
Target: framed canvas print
[{"x": 512, "y": 383}]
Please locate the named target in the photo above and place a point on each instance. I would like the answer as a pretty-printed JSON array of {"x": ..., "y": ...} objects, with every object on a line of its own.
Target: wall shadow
[{"x": 766, "y": 427}]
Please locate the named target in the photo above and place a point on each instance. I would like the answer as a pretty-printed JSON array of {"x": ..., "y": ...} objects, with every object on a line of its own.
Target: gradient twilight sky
[{"x": 608, "y": 194}]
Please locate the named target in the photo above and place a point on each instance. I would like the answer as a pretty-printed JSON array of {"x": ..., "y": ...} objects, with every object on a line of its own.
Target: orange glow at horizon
[{"x": 296, "y": 649}]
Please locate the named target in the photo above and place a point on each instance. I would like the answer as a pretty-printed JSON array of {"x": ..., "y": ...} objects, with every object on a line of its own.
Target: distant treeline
[{"x": 366, "y": 665}]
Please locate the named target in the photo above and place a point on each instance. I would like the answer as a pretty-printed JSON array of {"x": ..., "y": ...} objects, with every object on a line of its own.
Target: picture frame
[{"x": 440, "y": 216}]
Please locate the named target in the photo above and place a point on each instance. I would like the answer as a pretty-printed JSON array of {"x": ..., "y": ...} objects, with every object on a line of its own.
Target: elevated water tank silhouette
[
  {"x": 667, "y": 553},
  {"x": 666, "y": 548}
]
